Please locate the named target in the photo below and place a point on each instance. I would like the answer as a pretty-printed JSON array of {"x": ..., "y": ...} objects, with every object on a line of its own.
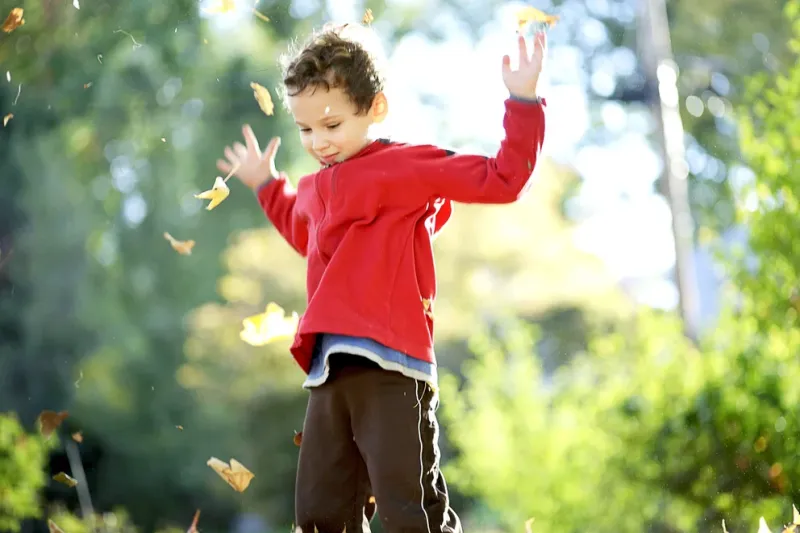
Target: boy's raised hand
[
  {"x": 248, "y": 163},
  {"x": 522, "y": 82}
]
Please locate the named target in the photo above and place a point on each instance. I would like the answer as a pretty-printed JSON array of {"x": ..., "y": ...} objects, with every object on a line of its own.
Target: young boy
[{"x": 365, "y": 222}]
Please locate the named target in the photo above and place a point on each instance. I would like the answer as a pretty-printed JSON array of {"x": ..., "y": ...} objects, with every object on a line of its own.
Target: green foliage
[
  {"x": 116, "y": 521},
  {"x": 22, "y": 472},
  {"x": 645, "y": 431}
]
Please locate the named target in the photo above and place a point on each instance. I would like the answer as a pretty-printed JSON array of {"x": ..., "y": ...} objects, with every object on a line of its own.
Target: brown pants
[{"x": 371, "y": 432}]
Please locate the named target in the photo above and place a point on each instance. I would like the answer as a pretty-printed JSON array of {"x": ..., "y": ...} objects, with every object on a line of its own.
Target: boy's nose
[{"x": 318, "y": 142}]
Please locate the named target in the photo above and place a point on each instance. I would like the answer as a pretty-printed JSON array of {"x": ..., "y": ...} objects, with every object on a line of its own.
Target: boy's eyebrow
[{"x": 325, "y": 118}]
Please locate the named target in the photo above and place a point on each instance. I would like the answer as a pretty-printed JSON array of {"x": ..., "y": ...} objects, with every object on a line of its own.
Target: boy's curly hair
[{"x": 339, "y": 56}]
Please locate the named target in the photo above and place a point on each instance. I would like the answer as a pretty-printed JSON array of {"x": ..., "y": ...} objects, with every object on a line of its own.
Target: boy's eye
[
  {"x": 334, "y": 126},
  {"x": 305, "y": 130}
]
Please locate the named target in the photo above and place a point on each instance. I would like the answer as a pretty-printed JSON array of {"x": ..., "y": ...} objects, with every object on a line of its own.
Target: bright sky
[{"x": 451, "y": 93}]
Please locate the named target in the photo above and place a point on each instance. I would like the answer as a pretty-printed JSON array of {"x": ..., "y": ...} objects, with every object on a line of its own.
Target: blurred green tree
[
  {"x": 645, "y": 431},
  {"x": 22, "y": 472}
]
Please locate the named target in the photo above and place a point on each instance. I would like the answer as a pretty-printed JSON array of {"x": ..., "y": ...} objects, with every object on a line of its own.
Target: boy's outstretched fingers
[
  {"x": 251, "y": 140},
  {"x": 224, "y": 166},
  {"x": 539, "y": 47}
]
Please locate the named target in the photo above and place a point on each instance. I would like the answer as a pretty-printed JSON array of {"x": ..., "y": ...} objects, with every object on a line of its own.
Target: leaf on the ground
[
  {"x": 216, "y": 194},
  {"x": 53, "y": 527},
  {"x": 298, "y": 438},
  {"x": 368, "y": 18},
  {"x": 50, "y": 420},
  {"x": 221, "y": 6},
  {"x": 235, "y": 474},
  {"x": 61, "y": 477},
  {"x": 193, "y": 527},
  {"x": 182, "y": 247},
  {"x": 77, "y": 437},
  {"x": 528, "y": 15},
  {"x": 7, "y": 118},
  {"x": 271, "y": 325},
  {"x": 263, "y": 98},
  {"x": 14, "y": 20}
]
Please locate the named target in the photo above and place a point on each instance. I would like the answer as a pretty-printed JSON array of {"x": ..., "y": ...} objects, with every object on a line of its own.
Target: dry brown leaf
[
  {"x": 368, "y": 18},
  {"x": 77, "y": 437},
  {"x": 7, "y": 118},
  {"x": 14, "y": 20},
  {"x": 263, "y": 98},
  {"x": 528, "y": 14},
  {"x": 53, "y": 527},
  {"x": 193, "y": 527},
  {"x": 61, "y": 477},
  {"x": 235, "y": 474},
  {"x": 182, "y": 247},
  {"x": 50, "y": 420},
  {"x": 298, "y": 438}
]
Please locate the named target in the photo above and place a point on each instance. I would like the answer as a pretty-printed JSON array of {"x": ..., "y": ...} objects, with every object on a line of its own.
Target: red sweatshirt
[{"x": 366, "y": 225}]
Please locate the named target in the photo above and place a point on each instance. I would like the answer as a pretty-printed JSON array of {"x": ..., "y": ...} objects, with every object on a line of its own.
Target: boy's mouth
[{"x": 328, "y": 159}]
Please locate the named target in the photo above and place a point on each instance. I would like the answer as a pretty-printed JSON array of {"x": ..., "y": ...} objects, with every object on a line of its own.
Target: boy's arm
[
  {"x": 277, "y": 198},
  {"x": 478, "y": 179}
]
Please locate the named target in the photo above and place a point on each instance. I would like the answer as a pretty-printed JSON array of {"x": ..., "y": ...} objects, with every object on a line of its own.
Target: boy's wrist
[
  {"x": 257, "y": 186},
  {"x": 528, "y": 98}
]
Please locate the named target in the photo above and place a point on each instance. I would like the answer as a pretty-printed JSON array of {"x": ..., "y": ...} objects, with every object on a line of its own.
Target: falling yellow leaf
[
  {"x": 263, "y": 98},
  {"x": 368, "y": 18},
  {"x": 50, "y": 420},
  {"x": 77, "y": 437},
  {"x": 7, "y": 118},
  {"x": 268, "y": 326},
  {"x": 179, "y": 427},
  {"x": 14, "y": 20},
  {"x": 298, "y": 438},
  {"x": 529, "y": 525},
  {"x": 235, "y": 474},
  {"x": 182, "y": 247},
  {"x": 61, "y": 477},
  {"x": 87, "y": 85},
  {"x": 217, "y": 194},
  {"x": 53, "y": 527},
  {"x": 528, "y": 14},
  {"x": 371, "y": 499},
  {"x": 260, "y": 15},
  {"x": 221, "y": 6}
]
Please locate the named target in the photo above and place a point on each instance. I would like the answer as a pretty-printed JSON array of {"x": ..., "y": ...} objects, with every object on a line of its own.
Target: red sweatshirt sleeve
[
  {"x": 487, "y": 180},
  {"x": 278, "y": 198}
]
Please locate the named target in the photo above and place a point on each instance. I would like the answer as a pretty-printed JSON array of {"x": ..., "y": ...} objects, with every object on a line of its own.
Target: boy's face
[{"x": 330, "y": 129}]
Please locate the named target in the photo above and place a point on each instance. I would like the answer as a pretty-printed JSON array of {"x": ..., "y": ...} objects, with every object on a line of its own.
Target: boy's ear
[{"x": 380, "y": 107}]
